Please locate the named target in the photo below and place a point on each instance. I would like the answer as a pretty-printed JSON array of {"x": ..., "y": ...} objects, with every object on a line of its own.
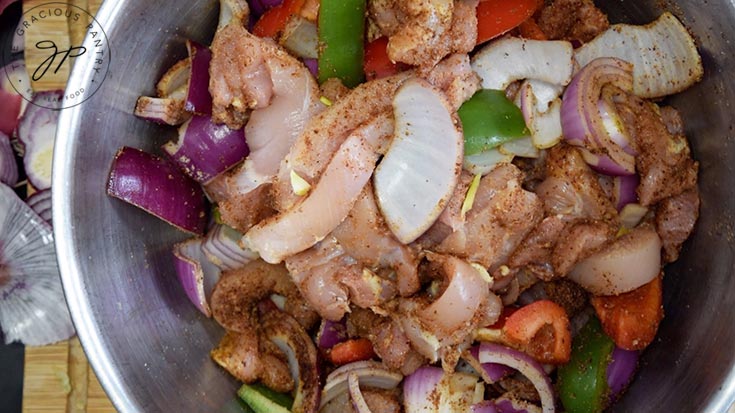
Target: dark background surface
[{"x": 11, "y": 356}]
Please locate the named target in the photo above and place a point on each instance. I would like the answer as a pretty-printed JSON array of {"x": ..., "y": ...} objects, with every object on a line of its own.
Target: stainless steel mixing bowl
[{"x": 150, "y": 347}]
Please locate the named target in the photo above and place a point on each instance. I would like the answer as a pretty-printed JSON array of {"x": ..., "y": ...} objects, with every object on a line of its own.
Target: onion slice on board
[
  {"x": 629, "y": 262},
  {"x": 533, "y": 370},
  {"x": 40, "y": 203},
  {"x": 158, "y": 187},
  {"x": 196, "y": 274},
  {"x": 8, "y": 165},
  {"x": 418, "y": 173},
  {"x": 204, "y": 150},
  {"x": 504, "y": 61},
  {"x": 663, "y": 54},
  {"x": 37, "y": 133},
  {"x": 32, "y": 305}
]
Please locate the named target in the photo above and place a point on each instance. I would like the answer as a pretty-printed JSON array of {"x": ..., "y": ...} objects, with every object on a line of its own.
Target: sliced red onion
[
  {"x": 493, "y": 372},
  {"x": 32, "y": 305},
  {"x": 484, "y": 162},
  {"x": 11, "y": 104},
  {"x": 4, "y": 4},
  {"x": 167, "y": 111},
  {"x": 509, "y": 59},
  {"x": 313, "y": 66},
  {"x": 37, "y": 133},
  {"x": 582, "y": 122},
  {"x": 369, "y": 373},
  {"x": 196, "y": 274},
  {"x": 431, "y": 390},
  {"x": 506, "y": 404},
  {"x": 15, "y": 93},
  {"x": 258, "y": 7},
  {"x": 632, "y": 214},
  {"x": 623, "y": 364},
  {"x": 495, "y": 353},
  {"x": 331, "y": 333},
  {"x": 358, "y": 401},
  {"x": 624, "y": 190},
  {"x": 40, "y": 203},
  {"x": 630, "y": 261},
  {"x": 198, "y": 99},
  {"x": 487, "y": 406},
  {"x": 8, "y": 165},
  {"x": 544, "y": 124},
  {"x": 300, "y": 38},
  {"x": 419, "y": 389},
  {"x": 427, "y": 138},
  {"x": 664, "y": 55},
  {"x": 158, "y": 187},
  {"x": 174, "y": 83},
  {"x": 204, "y": 149},
  {"x": 222, "y": 248},
  {"x": 18, "y": 43},
  {"x": 234, "y": 11}
]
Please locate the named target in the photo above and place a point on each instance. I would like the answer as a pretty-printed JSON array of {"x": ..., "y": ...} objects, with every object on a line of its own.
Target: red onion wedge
[
  {"x": 204, "y": 150},
  {"x": 509, "y": 59},
  {"x": 331, "y": 333},
  {"x": 583, "y": 123},
  {"x": 624, "y": 190},
  {"x": 258, "y": 7},
  {"x": 300, "y": 38},
  {"x": 623, "y": 364},
  {"x": 431, "y": 390},
  {"x": 32, "y": 305},
  {"x": 158, "y": 187},
  {"x": 491, "y": 372},
  {"x": 484, "y": 162},
  {"x": 167, "y": 111},
  {"x": 8, "y": 165},
  {"x": 196, "y": 274},
  {"x": 630, "y": 261},
  {"x": 664, "y": 56},
  {"x": 495, "y": 353},
  {"x": 369, "y": 373},
  {"x": 487, "y": 406},
  {"x": 313, "y": 66},
  {"x": 40, "y": 203},
  {"x": 37, "y": 133},
  {"x": 236, "y": 11},
  {"x": 15, "y": 92},
  {"x": 198, "y": 99},
  {"x": 174, "y": 82},
  {"x": 358, "y": 401},
  {"x": 544, "y": 124},
  {"x": 222, "y": 248},
  {"x": 427, "y": 138}
]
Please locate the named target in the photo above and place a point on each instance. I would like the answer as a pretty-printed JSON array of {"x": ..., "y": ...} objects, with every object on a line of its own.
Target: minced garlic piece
[
  {"x": 299, "y": 185},
  {"x": 469, "y": 199},
  {"x": 483, "y": 272}
]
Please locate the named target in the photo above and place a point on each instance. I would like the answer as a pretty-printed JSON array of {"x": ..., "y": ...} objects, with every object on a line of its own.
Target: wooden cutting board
[{"x": 58, "y": 378}]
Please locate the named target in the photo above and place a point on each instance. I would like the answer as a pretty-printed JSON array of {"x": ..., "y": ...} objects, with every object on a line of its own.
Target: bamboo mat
[{"x": 58, "y": 378}]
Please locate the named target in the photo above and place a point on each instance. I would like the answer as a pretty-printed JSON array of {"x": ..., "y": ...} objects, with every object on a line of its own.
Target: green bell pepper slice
[
  {"x": 261, "y": 399},
  {"x": 489, "y": 119},
  {"x": 582, "y": 382},
  {"x": 341, "y": 41}
]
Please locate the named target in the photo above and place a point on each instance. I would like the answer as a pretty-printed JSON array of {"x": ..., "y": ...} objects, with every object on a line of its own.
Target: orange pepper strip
[
  {"x": 631, "y": 319},
  {"x": 352, "y": 350}
]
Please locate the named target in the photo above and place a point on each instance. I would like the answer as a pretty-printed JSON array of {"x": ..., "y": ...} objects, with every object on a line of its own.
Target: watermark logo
[{"x": 49, "y": 56}]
